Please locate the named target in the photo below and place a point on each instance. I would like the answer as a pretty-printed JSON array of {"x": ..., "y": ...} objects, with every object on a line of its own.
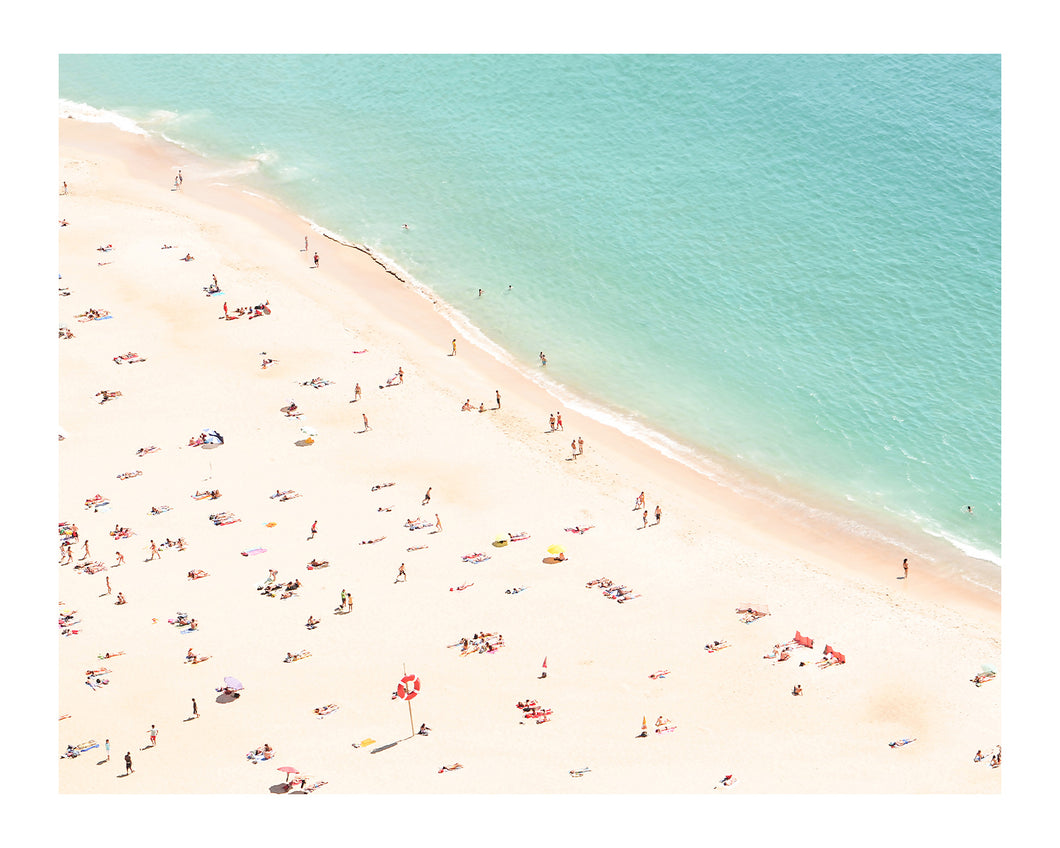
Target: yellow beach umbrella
[{"x": 556, "y": 549}]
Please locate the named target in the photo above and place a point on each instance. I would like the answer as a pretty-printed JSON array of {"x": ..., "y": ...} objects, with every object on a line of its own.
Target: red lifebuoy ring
[{"x": 409, "y": 687}]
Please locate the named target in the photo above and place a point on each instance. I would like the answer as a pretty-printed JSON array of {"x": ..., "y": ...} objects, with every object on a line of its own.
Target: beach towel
[{"x": 251, "y": 551}]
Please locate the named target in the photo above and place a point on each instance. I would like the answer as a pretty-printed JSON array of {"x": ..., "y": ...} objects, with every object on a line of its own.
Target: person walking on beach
[
  {"x": 366, "y": 427},
  {"x": 551, "y": 422},
  {"x": 316, "y": 260},
  {"x": 313, "y": 530},
  {"x": 645, "y": 517},
  {"x": 65, "y": 189},
  {"x": 658, "y": 514},
  {"x": 426, "y": 497},
  {"x": 559, "y": 421},
  {"x": 905, "y": 568},
  {"x": 153, "y": 732},
  {"x": 307, "y": 244},
  {"x": 498, "y": 392},
  {"x": 84, "y": 554},
  {"x": 106, "y": 747},
  {"x": 342, "y": 600},
  {"x": 581, "y": 444},
  {"x": 194, "y": 709},
  {"x": 128, "y": 763},
  {"x": 454, "y": 348},
  {"x": 437, "y": 523},
  {"x": 574, "y": 448},
  {"x": 357, "y": 392},
  {"x": 120, "y": 559},
  {"x": 401, "y": 574},
  {"x": 154, "y": 551},
  {"x": 108, "y": 584}
]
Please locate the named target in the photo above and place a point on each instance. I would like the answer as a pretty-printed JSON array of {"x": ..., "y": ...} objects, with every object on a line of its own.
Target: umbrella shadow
[
  {"x": 550, "y": 560},
  {"x": 303, "y": 443},
  {"x": 385, "y": 747},
  {"x": 226, "y": 699},
  {"x": 279, "y": 788}
]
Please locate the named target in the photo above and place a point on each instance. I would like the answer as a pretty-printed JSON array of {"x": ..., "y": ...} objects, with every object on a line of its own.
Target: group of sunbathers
[
  {"x": 107, "y": 395},
  {"x": 467, "y": 407},
  {"x": 261, "y": 754},
  {"x": 610, "y": 590},
  {"x": 193, "y": 658},
  {"x": 533, "y": 710},
  {"x": 129, "y": 357},
  {"x": 480, "y": 643},
  {"x": 93, "y": 315},
  {"x": 183, "y": 620},
  {"x": 417, "y": 523},
  {"x": 65, "y": 333},
  {"x": 221, "y": 518},
  {"x": 317, "y": 382},
  {"x": 209, "y": 494},
  {"x": 76, "y": 750},
  {"x": 255, "y": 311},
  {"x": 286, "y": 590},
  {"x": 285, "y": 496}
]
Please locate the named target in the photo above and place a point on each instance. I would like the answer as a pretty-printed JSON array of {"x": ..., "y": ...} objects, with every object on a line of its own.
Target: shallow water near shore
[{"x": 791, "y": 263}]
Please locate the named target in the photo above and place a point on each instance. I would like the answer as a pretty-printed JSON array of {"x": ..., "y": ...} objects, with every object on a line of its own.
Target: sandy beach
[{"x": 626, "y": 697}]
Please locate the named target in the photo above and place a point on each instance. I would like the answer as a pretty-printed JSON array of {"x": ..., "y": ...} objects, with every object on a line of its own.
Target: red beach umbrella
[{"x": 288, "y": 770}]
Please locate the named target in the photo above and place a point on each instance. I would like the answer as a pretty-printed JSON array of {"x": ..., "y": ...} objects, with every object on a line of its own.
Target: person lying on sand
[
  {"x": 312, "y": 622},
  {"x": 453, "y": 767}
]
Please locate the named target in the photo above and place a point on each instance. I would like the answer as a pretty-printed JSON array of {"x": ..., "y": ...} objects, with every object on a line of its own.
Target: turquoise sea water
[{"x": 788, "y": 266}]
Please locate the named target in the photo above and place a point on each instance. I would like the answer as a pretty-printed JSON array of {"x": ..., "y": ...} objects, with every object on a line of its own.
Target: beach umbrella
[
  {"x": 556, "y": 549},
  {"x": 309, "y": 431},
  {"x": 288, "y": 770},
  {"x": 500, "y": 541},
  {"x": 232, "y": 683},
  {"x": 212, "y": 437},
  {"x": 988, "y": 668}
]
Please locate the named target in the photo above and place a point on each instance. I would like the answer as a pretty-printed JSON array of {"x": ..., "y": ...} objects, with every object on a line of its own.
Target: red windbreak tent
[{"x": 805, "y": 641}]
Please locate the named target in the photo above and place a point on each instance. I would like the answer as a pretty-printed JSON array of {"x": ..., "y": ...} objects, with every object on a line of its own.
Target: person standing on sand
[
  {"x": 401, "y": 574},
  {"x": 581, "y": 445},
  {"x": 108, "y": 584},
  {"x": 366, "y": 427},
  {"x": 658, "y": 514},
  {"x": 357, "y": 392},
  {"x": 342, "y": 600},
  {"x": 154, "y": 735},
  {"x": 307, "y": 244},
  {"x": 437, "y": 523},
  {"x": 574, "y": 448},
  {"x": 128, "y": 763},
  {"x": 426, "y": 497},
  {"x": 194, "y": 709},
  {"x": 551, "y": 422},
  {"x": 905, "y": 568},
  {"x": 154, "y": 551},
  {"x": 645, "y": 516},
  {"x": 454, "y": 348},
  {"x": 498, "y": 392},
  {"x": 106, "y": 746},
  {"x": 313, "y": 530},
  {"x": 84, "y": 554},
  {"x": 316, "y": 260},
  {"x": 559, "y": 421}
]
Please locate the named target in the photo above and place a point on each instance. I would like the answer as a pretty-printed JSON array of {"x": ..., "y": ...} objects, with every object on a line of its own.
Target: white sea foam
[{"x": 90, "y": 114}]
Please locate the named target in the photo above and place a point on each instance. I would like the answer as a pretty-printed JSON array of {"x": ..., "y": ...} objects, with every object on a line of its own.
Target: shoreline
[
  {"x": 801, "y": 498},
  {"x": 811, "y": 515},
  {"x": 502, "y": 471}
]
